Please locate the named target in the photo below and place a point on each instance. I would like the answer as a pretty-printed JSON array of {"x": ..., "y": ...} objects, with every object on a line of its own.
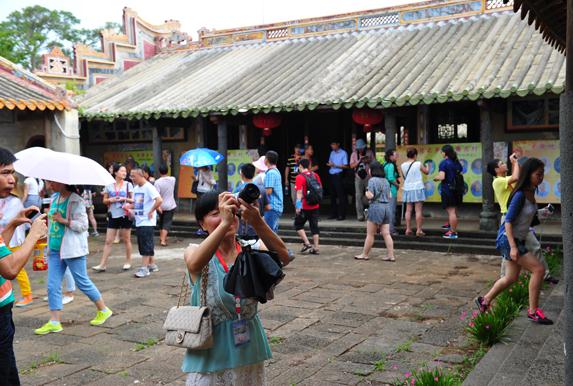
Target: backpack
[
  {"x": 313, "y": 190},
  {"x": 458, "y": 185}
]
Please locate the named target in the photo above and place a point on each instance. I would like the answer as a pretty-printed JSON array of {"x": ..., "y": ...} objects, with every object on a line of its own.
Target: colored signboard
[
  {"x": 469, "y": 155},
  {"x": 235, "y": 159},
  {"x": 547, "y": 151}
]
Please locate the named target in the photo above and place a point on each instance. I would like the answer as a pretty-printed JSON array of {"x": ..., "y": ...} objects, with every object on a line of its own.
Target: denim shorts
[{"x": 502, "y": 245}]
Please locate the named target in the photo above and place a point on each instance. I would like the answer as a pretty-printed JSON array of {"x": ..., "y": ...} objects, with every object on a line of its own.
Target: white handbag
[{"x": 190, "y": 327}]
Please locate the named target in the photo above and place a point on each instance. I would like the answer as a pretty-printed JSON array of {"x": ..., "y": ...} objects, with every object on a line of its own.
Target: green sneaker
[
  {"x": 48, "y": 328},
  {"x": 101, "y": 317}
]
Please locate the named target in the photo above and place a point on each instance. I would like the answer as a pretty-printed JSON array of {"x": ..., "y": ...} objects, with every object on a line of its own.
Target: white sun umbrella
[{"x": 66, "y": 168}]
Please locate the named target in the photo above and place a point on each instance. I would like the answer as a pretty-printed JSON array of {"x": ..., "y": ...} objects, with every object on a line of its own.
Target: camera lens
[{"x": 250, "y": 193}]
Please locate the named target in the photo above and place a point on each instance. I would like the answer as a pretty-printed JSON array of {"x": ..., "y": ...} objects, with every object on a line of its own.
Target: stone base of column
[{"x": 488, "y": 220}]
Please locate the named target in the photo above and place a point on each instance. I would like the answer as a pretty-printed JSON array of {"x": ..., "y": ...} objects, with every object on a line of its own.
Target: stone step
[{"x": 529, "y": 357}]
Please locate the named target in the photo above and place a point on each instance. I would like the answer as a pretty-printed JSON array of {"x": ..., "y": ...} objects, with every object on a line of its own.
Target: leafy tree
[
  {"x": 91, "y": 37},
  {"x": 36, "y": 28},
  {"x": 7, "y": 48},
  {"x": 27, "y": 33}
]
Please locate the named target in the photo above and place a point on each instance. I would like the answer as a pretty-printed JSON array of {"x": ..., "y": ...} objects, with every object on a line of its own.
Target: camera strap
[{"x": 226, "y": 268}]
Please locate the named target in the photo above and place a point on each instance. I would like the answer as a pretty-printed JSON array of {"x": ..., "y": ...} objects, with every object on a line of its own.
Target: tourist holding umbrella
[
  {"x": 68, "y": 225},
  {"x": 202, "y": 159}
]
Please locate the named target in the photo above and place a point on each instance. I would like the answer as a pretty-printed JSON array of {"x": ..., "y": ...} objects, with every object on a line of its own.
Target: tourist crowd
[{"x": 136, "y": 200}]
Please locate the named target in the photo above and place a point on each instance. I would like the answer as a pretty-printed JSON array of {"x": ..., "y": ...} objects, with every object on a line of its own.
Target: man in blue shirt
[
  {"x": 338, "y": 161},
  {"x": 274, "y": 188}
]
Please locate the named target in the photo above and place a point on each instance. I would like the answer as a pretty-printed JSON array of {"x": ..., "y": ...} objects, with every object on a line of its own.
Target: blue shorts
[{"x": 502, "y": 245}]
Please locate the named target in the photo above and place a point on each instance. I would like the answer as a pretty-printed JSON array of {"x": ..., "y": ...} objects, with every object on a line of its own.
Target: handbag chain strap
[{"x": 185, "y": 286}]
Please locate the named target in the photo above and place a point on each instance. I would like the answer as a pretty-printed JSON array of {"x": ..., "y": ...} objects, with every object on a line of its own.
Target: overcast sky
[{"x": 194, "y": 14}]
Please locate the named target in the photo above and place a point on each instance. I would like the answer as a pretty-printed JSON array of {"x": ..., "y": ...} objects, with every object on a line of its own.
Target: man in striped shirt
[{"x": 10, "y": 265}]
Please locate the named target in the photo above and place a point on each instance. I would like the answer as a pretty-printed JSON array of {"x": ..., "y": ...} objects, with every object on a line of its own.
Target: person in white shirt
[
  {"x": 165, "y": 185},
  {"x": 414, "y": 193},
  {"x": 206, "y": 180},
  {"x": 32, "y": 192},
  {"x": 146, "y": 201}
]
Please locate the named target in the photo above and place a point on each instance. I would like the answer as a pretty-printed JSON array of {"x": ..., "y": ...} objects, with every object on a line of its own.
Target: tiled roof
[
  {"x": 485, "y": 56},
  {"x": 23, "y": 90}
]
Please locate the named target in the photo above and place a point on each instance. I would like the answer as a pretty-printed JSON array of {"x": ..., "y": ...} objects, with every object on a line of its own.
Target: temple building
[
  {"x": 468, "y": 73},
  {"x": 34, "y": 112},
  {"x": 139, "y": 41}
]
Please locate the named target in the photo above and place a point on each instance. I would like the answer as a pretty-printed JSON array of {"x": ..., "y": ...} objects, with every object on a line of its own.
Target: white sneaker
[
  {"x": 45, "y": 298},
  {"x": 153, "y": 268},
  {"x": 142, "y": 272},
  {"x": 67, "y": 299},
  {"x": 126, "y": 267}
]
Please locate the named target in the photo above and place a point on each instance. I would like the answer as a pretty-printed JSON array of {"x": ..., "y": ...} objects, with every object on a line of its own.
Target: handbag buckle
[{"x": 180, "y": 337}]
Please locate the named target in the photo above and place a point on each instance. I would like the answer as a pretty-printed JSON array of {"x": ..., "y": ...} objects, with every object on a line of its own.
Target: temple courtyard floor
[{"x": 334, "y": 321}]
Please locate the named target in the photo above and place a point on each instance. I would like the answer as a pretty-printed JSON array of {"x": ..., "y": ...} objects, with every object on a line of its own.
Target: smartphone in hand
[{"x": 32, "y": 214}]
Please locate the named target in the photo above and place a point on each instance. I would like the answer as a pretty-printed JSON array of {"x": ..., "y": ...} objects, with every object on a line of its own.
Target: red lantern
[
  {"x": 267, "y": 122},
  {"x": 367, "y": 117}
]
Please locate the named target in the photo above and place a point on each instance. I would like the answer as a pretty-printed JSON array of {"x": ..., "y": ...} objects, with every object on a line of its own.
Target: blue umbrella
[{"x": 200, "y": 157}]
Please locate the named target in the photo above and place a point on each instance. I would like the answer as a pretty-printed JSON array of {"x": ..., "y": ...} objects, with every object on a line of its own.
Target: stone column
[
  {"x": 566, "y": 142},
  {"x": 488, "y": 216},
  {"x": 222, "y": 149},
  {"x": 199, "y": 124},
  {"x": 391, "y": 128},
  {"x": 423, "y": 124},
  {"x": 156, "y": 147},
  {"x": 65, "y": 132},
  {"x": 243, "y": 137}
]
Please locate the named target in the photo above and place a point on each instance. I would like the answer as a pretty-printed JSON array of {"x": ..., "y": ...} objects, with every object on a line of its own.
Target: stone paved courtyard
[{"x": 334, "y": 321}]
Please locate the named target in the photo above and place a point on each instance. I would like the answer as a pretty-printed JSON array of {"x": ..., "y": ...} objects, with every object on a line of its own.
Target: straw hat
[{"x": 260, "y": 164}]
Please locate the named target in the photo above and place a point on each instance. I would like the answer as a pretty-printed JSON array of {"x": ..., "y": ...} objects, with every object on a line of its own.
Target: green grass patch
[
  {"x": 276, "y": 340},
  {"x": 48, "y": 360},
  {"x": 405, "y": 346},
  {"x": 380, "y": 365},
  {"x": 143, "y": 345}
]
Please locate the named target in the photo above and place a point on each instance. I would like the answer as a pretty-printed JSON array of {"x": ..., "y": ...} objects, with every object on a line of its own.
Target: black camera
[{"x": 250, "y": 193}]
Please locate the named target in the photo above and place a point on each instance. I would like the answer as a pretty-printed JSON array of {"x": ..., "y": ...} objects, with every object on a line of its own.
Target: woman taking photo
[
  {"x": 116, "y": 196},
  {"x": 68, "y": 247},
  {"x": 227, "y": 364},
  {"x": 379, "y": 213},
  {"x": 511, "y": 241},
  {"x": 414, "y": 194}
]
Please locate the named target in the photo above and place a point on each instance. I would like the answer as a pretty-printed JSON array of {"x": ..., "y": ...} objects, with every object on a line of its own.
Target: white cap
[{"x": 260, "y": 164}]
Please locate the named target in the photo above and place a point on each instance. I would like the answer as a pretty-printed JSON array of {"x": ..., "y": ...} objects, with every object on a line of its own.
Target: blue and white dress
[{"x": 413, "y": 182}]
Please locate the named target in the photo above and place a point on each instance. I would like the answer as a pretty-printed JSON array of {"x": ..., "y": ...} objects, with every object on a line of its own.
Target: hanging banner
[{"x": 547, "y": 151}]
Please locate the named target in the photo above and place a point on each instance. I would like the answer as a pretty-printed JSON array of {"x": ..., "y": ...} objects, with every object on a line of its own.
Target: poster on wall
[
  {"x": 547, "y": 151},
  {"x": 235, "y": 159},
  {"x": 469, "y": 155},
  {"x": 141, "y": 157}
]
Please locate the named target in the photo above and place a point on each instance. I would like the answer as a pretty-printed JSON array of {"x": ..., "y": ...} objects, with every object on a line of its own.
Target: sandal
[
  {"x": 420, "y": 233},
  {"x": 410, "y": 233},
  {"x": 360, "y": 257},
  {"x": 98, "y": 268},
  {"x": 389, "y": 258}
]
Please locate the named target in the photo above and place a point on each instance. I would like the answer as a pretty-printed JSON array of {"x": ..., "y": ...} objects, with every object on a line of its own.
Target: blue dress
[{"x": 224, "y": 354}]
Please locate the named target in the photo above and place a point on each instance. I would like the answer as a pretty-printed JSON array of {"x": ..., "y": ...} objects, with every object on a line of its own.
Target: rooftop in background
[
  {"x": 22, "y": 90},
  {"x": 447, "y": 51}
]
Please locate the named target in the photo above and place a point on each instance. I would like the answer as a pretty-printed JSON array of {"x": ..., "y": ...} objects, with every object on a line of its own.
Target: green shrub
[
  {"x": 554, "y": 259},
  {"x": 427, "y": 377}
]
